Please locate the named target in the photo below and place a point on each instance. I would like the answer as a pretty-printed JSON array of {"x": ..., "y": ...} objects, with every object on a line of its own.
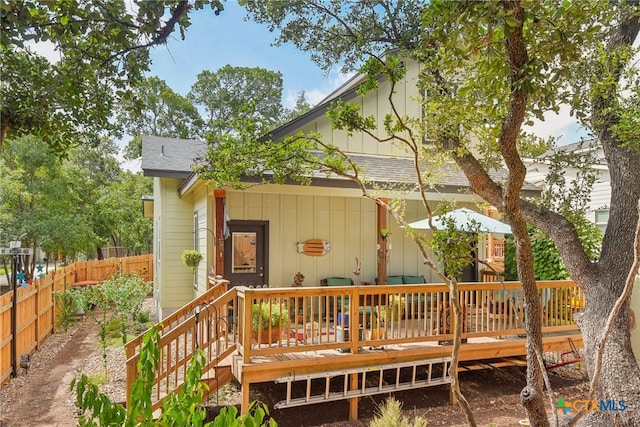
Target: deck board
[{"x": 270, "y": 367}]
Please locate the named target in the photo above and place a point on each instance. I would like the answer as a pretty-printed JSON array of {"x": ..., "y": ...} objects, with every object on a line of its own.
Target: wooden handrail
[
  {"x": 179, "y": 315},
  {"x": 204, "y": 324}
]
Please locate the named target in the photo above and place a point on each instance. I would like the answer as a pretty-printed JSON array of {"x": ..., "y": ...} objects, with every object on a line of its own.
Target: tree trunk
[{"x": 620, "y": 377}]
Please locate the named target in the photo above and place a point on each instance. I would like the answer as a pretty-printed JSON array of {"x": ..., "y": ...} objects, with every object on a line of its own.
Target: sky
[{"x": 214, "y": 41}]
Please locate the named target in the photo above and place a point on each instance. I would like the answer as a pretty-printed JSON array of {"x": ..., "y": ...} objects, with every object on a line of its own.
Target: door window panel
[{"x": 243, "y": 252}]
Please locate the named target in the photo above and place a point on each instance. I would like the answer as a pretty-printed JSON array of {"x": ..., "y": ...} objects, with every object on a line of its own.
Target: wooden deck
[{"x": 397, "y": 325}]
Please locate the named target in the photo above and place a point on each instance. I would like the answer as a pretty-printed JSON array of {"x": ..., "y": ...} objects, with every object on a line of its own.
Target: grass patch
[
  {"x": 114, "y": 342},
  {"x": 390, "y": 414},
  {"x": 99, "y": 379}
]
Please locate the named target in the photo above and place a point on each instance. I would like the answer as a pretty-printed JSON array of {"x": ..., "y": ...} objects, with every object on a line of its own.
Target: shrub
[
  {"x": 70, "y": 301},
  {"x": 546, "y": 258},
  {"x": 390, "y": 414},
  {"x": 268, "y": 314}
]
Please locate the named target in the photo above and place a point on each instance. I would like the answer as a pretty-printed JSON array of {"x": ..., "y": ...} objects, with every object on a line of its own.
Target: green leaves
[
  {"x": 180, "y": 409},
  {"x": 346, "y": 116},
  {"x": 95, "y": 408},
  {"x": 258, "y": 415},
  {"x": 265, "y": 315},
  {"x": 229, "y": 92},
  {"x": 548, "y": 264}
]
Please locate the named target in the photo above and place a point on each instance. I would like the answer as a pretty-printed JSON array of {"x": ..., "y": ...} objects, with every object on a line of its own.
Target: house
[
  {"x": 257, "y": 236},
  {"x": 597, "y": 208}
]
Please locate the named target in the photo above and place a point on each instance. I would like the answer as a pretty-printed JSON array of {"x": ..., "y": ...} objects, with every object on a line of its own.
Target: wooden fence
[{"x": 35, "y": 304}]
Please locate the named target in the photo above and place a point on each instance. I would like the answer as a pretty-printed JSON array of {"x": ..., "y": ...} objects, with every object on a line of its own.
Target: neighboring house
[
  {"x": 597, "y": 209},
  {"x": 266, "y": 224}
]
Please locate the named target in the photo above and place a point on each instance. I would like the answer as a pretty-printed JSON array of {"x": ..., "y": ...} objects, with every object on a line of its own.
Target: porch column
[
  {"x": 219, "y": 227},
  {"x": 382, "y": 241}
]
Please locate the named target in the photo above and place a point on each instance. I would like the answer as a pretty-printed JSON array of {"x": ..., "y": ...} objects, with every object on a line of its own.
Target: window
[
  {"x": 244, "y": 252},
  {"x": 602, "y": 218}
]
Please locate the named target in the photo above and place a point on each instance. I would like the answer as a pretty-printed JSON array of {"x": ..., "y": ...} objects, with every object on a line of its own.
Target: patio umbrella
[{"x": 465, "y": 220}]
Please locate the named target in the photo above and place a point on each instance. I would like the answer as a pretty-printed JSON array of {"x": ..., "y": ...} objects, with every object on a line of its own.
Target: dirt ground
[
  {"x": 494, "y": 395},
  {"x": 41, "y": 397}
]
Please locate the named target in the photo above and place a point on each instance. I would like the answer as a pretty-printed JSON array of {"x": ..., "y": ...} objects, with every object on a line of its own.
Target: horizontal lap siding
[{"x": 176, "y": 220}]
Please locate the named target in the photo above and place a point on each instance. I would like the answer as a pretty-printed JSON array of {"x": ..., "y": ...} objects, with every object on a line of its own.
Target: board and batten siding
[
  {"x": 347, "y": 223},
  {"x": 375, "y": 103},
  {"x": 174, "y": 216}
]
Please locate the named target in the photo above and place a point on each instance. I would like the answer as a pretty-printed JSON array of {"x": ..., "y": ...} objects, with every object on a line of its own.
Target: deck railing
[{"x": 327, "y": 318}]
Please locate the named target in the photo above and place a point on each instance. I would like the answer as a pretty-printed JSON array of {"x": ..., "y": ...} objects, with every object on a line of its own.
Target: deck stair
[
  {"x": 218, "y": 376},
  {"x": 422, "y": 375}
]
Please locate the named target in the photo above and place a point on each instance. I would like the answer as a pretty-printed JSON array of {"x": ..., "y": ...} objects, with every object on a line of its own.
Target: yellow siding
[
  {"x": 175, "y": 219},
  {"x": 203, "y": 205},
  {"x": 375, "y": 104}
]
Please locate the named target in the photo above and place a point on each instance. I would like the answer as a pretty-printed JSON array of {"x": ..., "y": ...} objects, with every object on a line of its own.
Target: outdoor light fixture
[{"x": 147, "y": 206}]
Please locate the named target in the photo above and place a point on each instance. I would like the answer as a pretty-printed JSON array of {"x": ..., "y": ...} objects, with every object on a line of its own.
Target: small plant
[
  {"x": 395, "y": 309},
  {"x": 269, "y": 314},
  {"x": 182, "y": 408},
  {"x": 191, "y": 258},
  {"x": 390, "y": 414},
  {"x": 258, "y": 415},
  {"x": 144, "y": 317},
  {"x": 99, "y": 379},
  {"x": 70, "y": 301}
]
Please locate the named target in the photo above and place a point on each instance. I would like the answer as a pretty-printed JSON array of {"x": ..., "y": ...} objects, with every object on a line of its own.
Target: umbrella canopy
[{"x": 465, "y": 220}]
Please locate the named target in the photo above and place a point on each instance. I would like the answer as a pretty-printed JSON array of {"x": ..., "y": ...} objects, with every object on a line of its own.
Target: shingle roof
[
  {"x": 181, "y": 155},
  {"x": 170, "y": 157}
]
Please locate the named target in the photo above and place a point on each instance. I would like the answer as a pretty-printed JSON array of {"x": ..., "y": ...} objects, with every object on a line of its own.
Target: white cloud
[
  {"x": 562, "y": 126},
  {"x": 45, "y": 49}
]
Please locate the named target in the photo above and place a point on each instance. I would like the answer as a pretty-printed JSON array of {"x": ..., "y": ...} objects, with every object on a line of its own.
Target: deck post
[
  {"x": 353, "y": 401},
  {"x": 381, "y": 211},
  {"x": 218, "y": 250},
  {"x": 244, "y": 408}
]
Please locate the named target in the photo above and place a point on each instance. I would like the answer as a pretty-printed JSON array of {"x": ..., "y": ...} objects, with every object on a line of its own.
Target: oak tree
[{"x": 102, "y": 49}]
